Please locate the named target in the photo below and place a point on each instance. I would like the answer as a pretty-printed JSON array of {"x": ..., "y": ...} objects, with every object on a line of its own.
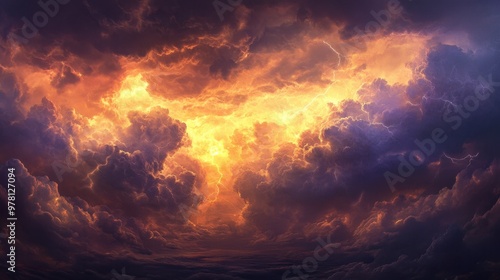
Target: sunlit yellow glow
[{"x": 223, "y": 120}]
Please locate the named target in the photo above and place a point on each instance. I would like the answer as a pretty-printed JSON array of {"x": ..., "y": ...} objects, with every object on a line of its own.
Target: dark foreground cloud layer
[{"x": 402, "y": 179}]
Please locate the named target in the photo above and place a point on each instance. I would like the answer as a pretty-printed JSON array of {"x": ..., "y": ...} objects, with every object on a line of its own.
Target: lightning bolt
[
  {"x": 388, "y": 128},
  {"x": 339, "y": 57},
  {"x": 446, "y": 101},
  {"x": 335, "y": 51},
  {"x": 458, "y": 160}
]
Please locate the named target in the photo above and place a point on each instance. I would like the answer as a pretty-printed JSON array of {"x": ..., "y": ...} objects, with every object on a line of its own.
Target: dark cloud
[
  {"x": 344, "y": 172},
  {"x": 35, "y": 139}
]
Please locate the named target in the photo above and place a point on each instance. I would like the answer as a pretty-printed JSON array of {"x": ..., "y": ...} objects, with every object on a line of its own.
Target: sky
[{"x": 250, "y": 139}]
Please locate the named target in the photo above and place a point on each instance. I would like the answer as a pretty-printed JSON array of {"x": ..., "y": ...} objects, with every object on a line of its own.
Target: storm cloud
[{"x": 156, "y": 139}]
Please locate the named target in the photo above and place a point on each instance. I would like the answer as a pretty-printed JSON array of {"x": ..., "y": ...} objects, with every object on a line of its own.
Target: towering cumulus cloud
[{"x": 226, "y": 139}]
